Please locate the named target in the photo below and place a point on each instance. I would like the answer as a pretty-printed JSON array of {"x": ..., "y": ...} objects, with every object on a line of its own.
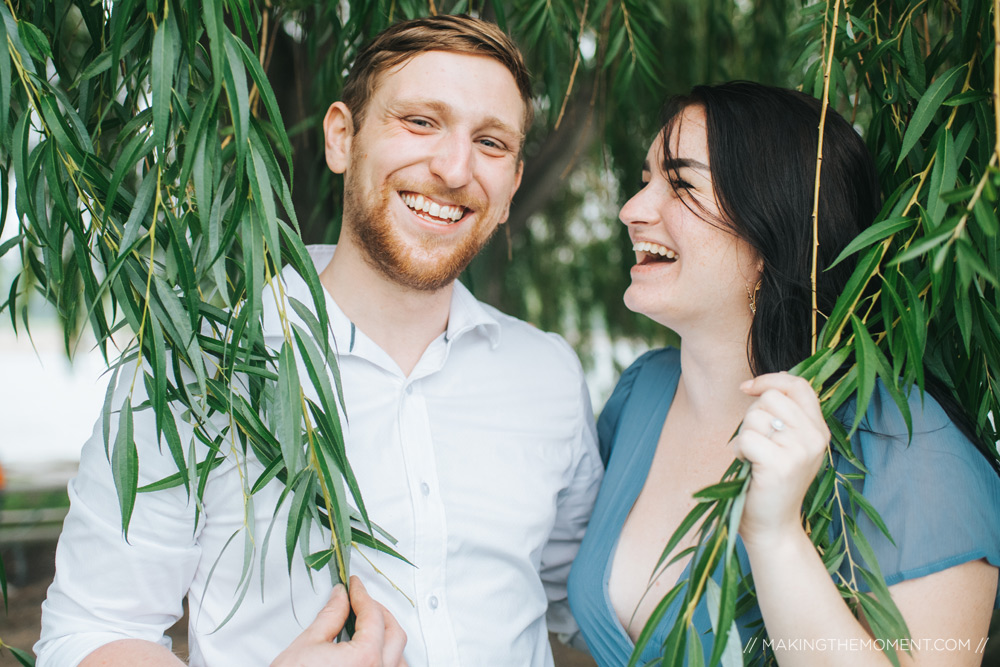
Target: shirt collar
[{"x": 467, "y": 313}]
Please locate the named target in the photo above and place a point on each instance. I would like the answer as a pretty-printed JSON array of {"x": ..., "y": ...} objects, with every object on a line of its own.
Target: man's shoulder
[{"x": 518, "y": 336}]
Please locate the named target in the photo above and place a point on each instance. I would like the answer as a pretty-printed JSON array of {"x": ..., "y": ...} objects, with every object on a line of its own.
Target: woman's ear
[{"x": 338, "y": 128}]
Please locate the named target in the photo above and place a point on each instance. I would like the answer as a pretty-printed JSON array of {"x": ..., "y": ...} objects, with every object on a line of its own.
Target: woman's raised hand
[{"x": 785, "y": 437}]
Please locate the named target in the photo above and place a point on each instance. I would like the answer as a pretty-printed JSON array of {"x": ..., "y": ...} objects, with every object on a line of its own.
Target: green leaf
[
  {"x": 22, "y": 657},
  {"x": 5, "y": 91},
  {"x": 927, "y": 107},
  {"x": 267, "y": 96},
  {"x": 685, "y": 526},
  {"x": 263, "y": 198},
  {"x": 125, "y": 464},
  {"x": 34, "y": 41},
  {"x": 288, "y": 410},
  {"x": 924, "y": 245},
  {"x": 943, "y": 176},
  {"x": 870, "y": 511},
  {"x": 239, "y": 98},
  {"x": 866, "y": 354},
  {"x": 163, "y": 63},
  {"x": 877, "y": 232},
  {"x": 855, "y": 287},
  {"x": 986, "y": 218},
  {"x": 726, "y": 647},
  {"x": 659, "y": 612},
  {"x": 722, "y": 490},
  {"x": 214, "y": 27},
  {"x": 177, "y": 479},
  {"x": 318, "y": 560}
]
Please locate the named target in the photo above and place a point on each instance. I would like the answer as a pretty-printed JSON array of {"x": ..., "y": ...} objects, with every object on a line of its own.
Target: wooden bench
[{"x": 30, "y": 526}]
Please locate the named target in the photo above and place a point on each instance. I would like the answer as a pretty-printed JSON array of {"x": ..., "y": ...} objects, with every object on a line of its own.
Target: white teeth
[
  {"x": 420, "y": 204},
  {"x": 654, "y": 249}
]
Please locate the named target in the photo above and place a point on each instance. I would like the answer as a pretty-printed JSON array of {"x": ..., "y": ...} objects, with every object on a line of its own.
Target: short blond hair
[{"x": 457, "y": 34}]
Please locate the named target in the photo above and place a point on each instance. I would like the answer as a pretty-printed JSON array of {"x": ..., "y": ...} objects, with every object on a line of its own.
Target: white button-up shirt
[{"x": 482, "y": 463}]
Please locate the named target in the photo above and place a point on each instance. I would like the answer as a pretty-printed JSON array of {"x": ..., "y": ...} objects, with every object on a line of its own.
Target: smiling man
[{"x": 470, "y": 432}]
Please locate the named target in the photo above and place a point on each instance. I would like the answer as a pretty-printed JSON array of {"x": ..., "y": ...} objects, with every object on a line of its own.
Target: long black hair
[
  {"x": 762, "y": 147},
  {"x": 762, "y": 144}
]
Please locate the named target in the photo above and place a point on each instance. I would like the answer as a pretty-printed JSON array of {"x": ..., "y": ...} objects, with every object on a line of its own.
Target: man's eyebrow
[
  {"x": 681, "y": 163},
  {"x": 439, "y": 107}
]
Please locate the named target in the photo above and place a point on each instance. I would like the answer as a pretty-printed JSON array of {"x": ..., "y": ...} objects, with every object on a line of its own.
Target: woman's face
[{"x": 690, "y": 269}]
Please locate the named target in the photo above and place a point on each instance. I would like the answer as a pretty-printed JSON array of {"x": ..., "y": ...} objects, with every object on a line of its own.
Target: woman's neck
[{"x": 711, "y": 374}]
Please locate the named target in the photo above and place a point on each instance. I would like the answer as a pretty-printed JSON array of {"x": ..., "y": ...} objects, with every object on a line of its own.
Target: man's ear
[{"x": 338, "y": 129}]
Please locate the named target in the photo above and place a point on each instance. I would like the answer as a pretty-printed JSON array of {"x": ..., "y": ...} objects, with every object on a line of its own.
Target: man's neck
[{"x": 400, "y": 320}]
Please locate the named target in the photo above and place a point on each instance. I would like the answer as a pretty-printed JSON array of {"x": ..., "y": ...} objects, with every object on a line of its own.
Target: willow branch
[
  {"x": 827, "y": 68},
  {"x": 576, "y": 63}
]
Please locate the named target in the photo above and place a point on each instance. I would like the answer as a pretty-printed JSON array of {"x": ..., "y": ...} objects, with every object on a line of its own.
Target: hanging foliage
[
  {"x": 153, "y": 205},
  {"x": 922, "y": 78}
]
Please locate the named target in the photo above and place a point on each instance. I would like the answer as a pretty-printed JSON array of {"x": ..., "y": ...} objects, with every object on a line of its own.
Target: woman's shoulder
[
  {"x": 934, "y": 490},
  {"x": 641, "y": 382},
  {"x": 651, "y": 365},
  {"x": 915, "y": 428}
]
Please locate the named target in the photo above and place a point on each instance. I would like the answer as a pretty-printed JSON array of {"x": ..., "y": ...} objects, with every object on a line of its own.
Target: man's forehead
[{"x": 414, "y": 73}]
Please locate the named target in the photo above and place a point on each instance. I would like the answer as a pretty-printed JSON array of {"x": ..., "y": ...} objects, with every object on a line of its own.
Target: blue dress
[{"x": 937, "y": 494}]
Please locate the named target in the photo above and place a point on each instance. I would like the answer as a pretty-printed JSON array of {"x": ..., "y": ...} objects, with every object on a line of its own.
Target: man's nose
[{"x": 452, "y": 161}]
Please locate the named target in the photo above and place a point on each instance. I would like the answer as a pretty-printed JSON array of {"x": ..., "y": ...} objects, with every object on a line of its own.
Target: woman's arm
[{"x": 785, "y": 438}]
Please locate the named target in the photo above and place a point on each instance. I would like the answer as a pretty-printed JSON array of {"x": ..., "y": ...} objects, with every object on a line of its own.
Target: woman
[{"x": 722, "y": 235}]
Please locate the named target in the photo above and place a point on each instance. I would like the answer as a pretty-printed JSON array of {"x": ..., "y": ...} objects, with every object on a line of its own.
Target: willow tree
[{"x": 168, "y": 161}]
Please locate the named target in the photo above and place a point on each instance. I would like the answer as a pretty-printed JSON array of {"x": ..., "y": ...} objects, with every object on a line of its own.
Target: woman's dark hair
[{"x": 762, "y": 144}]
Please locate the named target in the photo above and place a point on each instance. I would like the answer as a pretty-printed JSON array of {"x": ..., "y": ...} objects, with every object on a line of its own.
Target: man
[{"x": 470, "y": 432}]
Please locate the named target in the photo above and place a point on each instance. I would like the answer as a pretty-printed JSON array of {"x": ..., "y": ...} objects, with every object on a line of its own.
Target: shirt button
[
  {"x": 425, "y": 489},
  {"x": 432, "y": 602},
  {"x": 409, "y": 389}
]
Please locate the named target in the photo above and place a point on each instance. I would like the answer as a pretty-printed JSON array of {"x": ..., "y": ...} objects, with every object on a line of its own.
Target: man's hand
[{"x": 378, "y": 640}]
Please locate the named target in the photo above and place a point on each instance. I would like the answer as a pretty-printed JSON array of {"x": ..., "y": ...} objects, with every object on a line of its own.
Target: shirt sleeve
[
  {"x": 108, "y": 587},
  {"x": 936, "y": 493},
  {"x": 575, "y": 502}
]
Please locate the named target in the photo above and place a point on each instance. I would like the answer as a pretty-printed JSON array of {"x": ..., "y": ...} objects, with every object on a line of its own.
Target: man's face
[{"x": 432, "y": 171}]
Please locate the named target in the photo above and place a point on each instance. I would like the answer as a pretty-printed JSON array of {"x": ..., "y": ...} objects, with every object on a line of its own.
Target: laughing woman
[{"x": 723, "y": 238}]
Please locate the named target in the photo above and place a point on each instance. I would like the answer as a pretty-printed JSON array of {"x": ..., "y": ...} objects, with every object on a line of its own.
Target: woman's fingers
[{"x": 788, "y": 398}]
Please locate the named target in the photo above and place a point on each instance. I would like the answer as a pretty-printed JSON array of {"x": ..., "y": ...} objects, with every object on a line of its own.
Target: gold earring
[{"x": 752, "y": 296}]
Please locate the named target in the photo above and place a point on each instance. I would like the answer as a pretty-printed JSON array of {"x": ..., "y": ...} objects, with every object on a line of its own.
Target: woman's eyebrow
[{"x": 681, "y": 163}]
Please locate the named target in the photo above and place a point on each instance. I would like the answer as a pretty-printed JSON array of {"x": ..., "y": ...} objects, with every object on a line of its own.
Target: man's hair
[{"x": 457, "y": 34}]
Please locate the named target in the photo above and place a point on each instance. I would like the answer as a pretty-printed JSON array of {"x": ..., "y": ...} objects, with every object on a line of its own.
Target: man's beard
[{"x": 400, "y": 262}]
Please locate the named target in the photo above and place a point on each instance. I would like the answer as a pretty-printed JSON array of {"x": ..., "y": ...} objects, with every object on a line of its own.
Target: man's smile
[{"x": 432, "y": 211}]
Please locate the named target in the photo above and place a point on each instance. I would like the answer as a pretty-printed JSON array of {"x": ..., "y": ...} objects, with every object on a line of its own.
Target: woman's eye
[{"x": 680, "y": 184}]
